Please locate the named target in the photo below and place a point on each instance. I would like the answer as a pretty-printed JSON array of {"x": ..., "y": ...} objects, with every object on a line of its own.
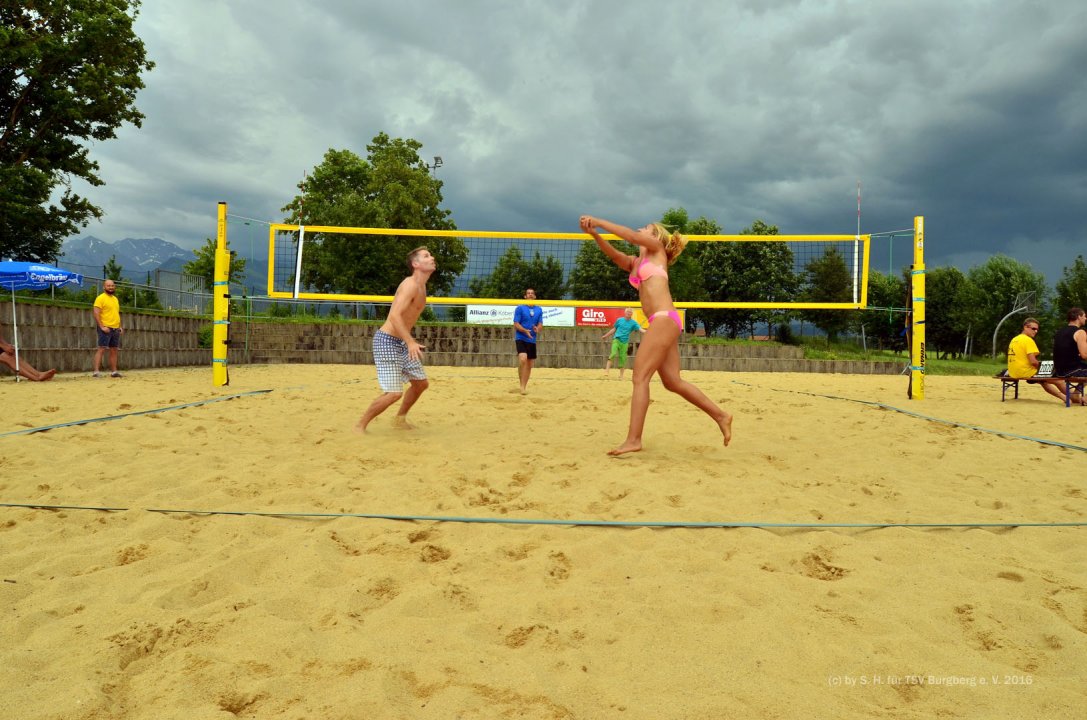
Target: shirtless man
[{"x": 397, "y": 355}]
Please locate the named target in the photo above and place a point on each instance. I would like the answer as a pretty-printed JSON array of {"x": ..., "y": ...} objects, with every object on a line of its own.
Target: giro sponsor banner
[
  {"x": 606, "y": 317},
  {"x": 603, "y": 317},
  {"x": 503, "y": 315},
  {"x": 598, "y": 317}
]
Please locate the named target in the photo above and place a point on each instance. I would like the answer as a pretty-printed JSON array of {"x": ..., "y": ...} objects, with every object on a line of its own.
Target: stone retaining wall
[{"x": 64, "y": 338}]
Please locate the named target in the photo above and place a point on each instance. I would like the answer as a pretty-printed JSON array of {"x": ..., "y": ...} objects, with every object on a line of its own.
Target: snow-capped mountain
[
  {"x": 136, "y": 256},
  {"x": 140, "y": 256}
]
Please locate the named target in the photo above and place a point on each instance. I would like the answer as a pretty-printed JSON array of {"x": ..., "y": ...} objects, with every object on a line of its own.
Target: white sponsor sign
[
  {"x": 490, "y": 314},
  {"x": 503, "y": 315},
  {"x": 558, "y": 317}
]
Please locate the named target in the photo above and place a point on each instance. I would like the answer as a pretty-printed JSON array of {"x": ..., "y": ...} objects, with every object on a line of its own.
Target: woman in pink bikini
[{"x": 659, "y": 351}]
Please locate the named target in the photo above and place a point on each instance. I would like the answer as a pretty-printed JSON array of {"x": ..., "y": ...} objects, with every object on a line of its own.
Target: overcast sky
[{"x": 972, "y": 113}]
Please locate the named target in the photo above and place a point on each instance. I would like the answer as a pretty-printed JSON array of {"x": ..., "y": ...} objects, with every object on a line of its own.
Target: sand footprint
[
  {"x": 817, "y": 566},
  {"x": 519, "y": 637},
  {"x": 460, "y": 596},
  {"x": 518, "y": 553},
  {"x": 434, "y": 553},
  {"x": 131, "y": 554},
  {"x": 345, "y": 547},
  {"x": 420, "y": 535},
  {"x": 559, "y": 569}
]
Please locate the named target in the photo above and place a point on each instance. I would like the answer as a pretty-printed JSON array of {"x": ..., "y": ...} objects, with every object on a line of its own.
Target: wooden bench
[{"x": 1044, "y": 375}]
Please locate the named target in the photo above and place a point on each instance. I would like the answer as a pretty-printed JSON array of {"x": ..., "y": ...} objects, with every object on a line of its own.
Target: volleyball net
[{"x": 355, "y": 264}]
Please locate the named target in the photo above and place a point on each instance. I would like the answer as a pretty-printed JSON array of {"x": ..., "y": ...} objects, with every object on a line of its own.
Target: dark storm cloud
[{"x": 972, "y": 114}]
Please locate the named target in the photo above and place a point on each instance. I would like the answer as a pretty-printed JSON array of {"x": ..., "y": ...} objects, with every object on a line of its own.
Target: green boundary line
[
  {"x": 107, "y": 418},
  {"x": 953, "y": 423},
  {"x": 571, "y": 522}
]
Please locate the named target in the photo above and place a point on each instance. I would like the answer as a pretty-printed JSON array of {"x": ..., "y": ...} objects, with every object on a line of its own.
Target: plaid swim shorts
[{"x": 394, "y": 367}]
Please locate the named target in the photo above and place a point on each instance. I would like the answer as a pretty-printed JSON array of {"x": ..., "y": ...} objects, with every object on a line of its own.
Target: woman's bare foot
[
  {"x": 628, "y": 447},
  {"x": 401, "y": 423},
  {"x": 725, "y": 424},
  {"x": 48, "y": 375}
]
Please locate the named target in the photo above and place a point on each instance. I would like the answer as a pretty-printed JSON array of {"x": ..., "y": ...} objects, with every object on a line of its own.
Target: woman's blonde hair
[{"x": 673, "y": 242}]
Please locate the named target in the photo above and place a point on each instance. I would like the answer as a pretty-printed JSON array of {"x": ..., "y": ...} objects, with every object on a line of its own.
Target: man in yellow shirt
[
  {"x": 107, "y": 319},
  {"x": 1023, "y": 359}
]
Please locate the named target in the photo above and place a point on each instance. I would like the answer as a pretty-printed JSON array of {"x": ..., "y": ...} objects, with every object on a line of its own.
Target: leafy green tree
[
  {"x": 204, "y": 265},
  {"x": 69, "y": 74},
  {"x": 990, "y": 294},
  {"x": 1071, "y": 291},
  {"x": 883, "y": 326},
  {"x": 828, "y": 280},
  {"x": 149, "y": 298},
  {"x": 678, "y": 220},
  {"x": 746, "y": 272},
  {"x": 595, "y": 277},
  {"x": 512, "y": 274},
  {"x": 947, "y": 322},
  {"x": 112, "y": 270},
  {"x": 1071, "y": 288},
  {"x": 686, "y": 278},
  {"x": 391, "y": 188},
  {"x": 128, "y": 295}
]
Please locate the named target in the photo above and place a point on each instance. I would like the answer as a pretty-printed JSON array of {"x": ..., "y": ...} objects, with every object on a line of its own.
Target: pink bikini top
[{"x": 645, "y": 271}]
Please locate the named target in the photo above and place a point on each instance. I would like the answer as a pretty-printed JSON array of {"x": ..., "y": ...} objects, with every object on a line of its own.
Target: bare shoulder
[
  {"x": 410, "y": 286},
  {"x": 412, "y": 291}
]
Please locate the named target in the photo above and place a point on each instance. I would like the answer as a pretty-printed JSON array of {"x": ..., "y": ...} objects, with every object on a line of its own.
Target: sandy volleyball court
[{"x": 132, "y": 613}]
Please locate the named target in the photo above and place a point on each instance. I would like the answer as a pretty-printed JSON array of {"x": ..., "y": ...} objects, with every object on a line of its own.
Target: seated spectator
[
  {"x": 1070, "y": 348},
  {"x": 7, "y": 357},
  {"x": 1023, "y": 359}
]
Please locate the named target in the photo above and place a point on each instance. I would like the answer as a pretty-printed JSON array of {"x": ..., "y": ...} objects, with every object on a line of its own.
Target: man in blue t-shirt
[
  {"x": 527, "y": 321},
  {"x": 622, "y": 329}
]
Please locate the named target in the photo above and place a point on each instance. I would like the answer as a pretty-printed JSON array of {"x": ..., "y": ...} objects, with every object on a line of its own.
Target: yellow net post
[
  {"x": 220, "y": 305},
  {"x": 917, "y": 281}
]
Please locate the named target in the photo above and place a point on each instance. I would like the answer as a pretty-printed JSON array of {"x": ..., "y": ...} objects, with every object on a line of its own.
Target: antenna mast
[{"x": 858, "y": 208}]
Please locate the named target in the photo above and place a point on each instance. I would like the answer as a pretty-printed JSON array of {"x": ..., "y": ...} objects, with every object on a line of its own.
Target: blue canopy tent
[{"x": 31, "y": 276}]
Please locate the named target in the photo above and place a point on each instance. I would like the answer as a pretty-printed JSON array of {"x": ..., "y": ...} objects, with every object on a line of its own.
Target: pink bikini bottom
[{"x": 673, "y": 314}]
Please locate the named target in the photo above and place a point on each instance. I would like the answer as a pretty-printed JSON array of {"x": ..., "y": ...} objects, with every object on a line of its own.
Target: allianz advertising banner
[{"x": 503, "y": 315}]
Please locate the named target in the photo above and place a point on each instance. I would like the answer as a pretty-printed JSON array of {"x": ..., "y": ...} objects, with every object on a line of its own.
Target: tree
[
  {"x": 1071, "y": 288},
  {"x": 147, "y": 298},
  {"x": 828, "y": 280},
  {"x": 513, "y": 274},
  {"x": 946, "y": 303},
  {"x": 204, "y": 265},
  {"x": 990, "y": 294},
  {"x": 391, "y": 188},
  {"x": 69, "y": 74},
  {"x": 746, "y": 272},
  {"x": 884, "y": 325},
  {"x": 595, "y": 277},
  {"x": 112, "y": 270},
  {"x": 686, "y": 278},
  {"x": 128, "y": 295}
]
